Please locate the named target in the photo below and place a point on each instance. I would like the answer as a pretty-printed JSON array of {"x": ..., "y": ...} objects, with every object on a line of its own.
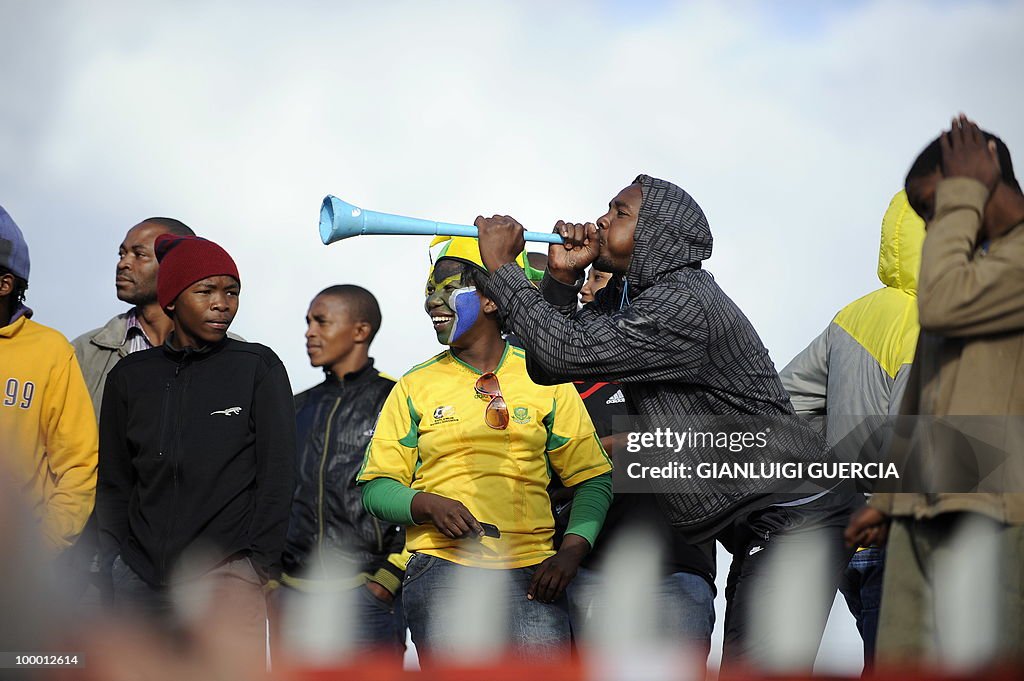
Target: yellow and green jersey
[{"x": 431, "y": 436}]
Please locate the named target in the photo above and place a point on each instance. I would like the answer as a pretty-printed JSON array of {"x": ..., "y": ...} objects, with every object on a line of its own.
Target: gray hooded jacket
[{"x": 667, "y": 332}]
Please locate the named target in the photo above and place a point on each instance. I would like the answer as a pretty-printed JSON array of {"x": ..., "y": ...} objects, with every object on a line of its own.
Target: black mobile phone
[{"x": 491, "y": 530}]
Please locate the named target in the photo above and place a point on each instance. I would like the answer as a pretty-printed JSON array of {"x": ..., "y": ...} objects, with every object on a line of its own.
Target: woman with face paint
[{"x": 462, "y": 454}]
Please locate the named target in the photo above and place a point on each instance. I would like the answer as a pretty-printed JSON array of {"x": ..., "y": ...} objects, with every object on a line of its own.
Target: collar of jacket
[
  {"x": 112, "y": 335},
  {"x": 13, "y": 327},
  {"x": 191, "y": 354},
  {"x": 351, "y": 377}
]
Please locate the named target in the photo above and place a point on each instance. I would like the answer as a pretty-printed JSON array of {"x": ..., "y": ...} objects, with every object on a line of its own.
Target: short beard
[
  {"x": 603, "y": 264},
  {"x": 138, "y": 298}
]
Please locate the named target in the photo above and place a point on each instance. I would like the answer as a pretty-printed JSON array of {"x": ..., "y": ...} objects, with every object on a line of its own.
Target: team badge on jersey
[
  {"x": 445, "y": 414},
  {"x": 521, "y": 415}
]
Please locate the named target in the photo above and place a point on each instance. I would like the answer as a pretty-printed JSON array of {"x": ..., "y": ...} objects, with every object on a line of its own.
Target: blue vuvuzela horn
[{"x": 340, "y": 220}]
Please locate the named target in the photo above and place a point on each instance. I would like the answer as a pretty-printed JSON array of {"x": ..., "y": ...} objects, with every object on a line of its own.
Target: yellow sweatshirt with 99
[{"x": 48, "y": 434}]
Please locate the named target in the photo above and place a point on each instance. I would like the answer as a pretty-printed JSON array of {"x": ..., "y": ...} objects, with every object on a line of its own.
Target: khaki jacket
[
  {"x": 970, "y": 354},
  {"x": 98, "y": 351}
]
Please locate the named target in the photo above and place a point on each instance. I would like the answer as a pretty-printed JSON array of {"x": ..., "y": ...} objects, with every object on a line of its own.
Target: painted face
[
  {"x": 617, "y": 227},
  {"x": 135, "y": 276},
  {"x": 443, "y": 305},
  {"x": 596, "y": 280},
  {"x": 203, "y": 312},
  {"x": 331, "y": 331}
]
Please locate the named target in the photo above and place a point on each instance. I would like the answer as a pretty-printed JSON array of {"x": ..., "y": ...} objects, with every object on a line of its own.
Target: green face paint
[{"x": 438, "y": 304}]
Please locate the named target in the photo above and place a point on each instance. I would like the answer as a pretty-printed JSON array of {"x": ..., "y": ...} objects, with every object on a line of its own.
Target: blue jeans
[
  {"x": 376, "y": 626},
  {"x": 685, "y": 604},
  {"x": 533, "y": 629},
  {"x": 861, "y": 586}
]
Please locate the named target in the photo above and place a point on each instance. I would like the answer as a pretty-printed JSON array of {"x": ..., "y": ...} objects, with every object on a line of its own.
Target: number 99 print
[{"x": 18, "y": 394}]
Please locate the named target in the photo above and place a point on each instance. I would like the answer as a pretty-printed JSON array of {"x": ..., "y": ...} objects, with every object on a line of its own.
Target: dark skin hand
[
  {"x": 966, "y": 153},
  {"x": 569, "y": 260},
  {"x": 501, "y": 242},
  {"x": 867, "y": 527},
  {"x": 450, "y": 517},
  {"x": 379, "y": 592},
  {"x": 554, "y": 574},
  {"x": 455, "y": 521}
]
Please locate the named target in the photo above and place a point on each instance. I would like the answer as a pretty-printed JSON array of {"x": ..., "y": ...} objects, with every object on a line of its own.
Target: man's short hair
[
  {"x": 172, "y": 226},
  {"x": 20, "y": 286},
  {"x": 930, "y": 160},
  {"x": 362, "y": 304}
]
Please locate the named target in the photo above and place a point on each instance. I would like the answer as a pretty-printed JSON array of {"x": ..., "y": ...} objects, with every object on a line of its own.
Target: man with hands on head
[
  {"x": 462, "y": 454},
  {"x": 679, "y": 347},
  {"x": 968, "y": 368}
]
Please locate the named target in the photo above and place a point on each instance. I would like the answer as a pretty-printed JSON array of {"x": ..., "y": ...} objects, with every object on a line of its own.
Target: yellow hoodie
[
  {"x": 860, "y": 364},
  {"x": 48, "y": 434}
]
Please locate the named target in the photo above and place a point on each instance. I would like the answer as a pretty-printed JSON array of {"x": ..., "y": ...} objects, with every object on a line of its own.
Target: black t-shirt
[{"x": 604, "y": 401}]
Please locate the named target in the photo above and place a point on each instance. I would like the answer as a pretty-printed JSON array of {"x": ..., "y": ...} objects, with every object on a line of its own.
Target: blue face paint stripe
[{"x": 465, "y": 303}]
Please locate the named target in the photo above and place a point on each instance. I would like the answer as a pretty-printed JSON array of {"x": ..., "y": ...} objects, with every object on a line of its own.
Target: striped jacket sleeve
[{"x": 661, "y": 336}]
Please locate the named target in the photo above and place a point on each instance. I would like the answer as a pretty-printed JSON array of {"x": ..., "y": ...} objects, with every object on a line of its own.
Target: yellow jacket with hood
[{"x": 860, "y": 364}]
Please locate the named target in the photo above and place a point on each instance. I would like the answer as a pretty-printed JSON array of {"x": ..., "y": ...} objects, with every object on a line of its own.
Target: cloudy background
[{"x": 791, "y": 123}]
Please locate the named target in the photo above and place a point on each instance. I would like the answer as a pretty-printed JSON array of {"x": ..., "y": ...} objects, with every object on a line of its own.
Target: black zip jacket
[
  {"x": 197, "y": 451},
  {"x": 335, "y": 422}
]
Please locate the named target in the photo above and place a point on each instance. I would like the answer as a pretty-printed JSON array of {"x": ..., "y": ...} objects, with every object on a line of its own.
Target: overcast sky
[{"x": 791, "y": 124}]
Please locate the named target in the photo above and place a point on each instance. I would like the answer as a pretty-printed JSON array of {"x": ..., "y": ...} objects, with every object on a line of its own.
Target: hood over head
[
  {"x": 671, "y": 233},
  {"x": 899, "y": 256}
]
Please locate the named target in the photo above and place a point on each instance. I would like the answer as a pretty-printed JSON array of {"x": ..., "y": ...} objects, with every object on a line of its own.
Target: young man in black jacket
[
  {"x": 335, "y": 421},
  {"x": 197, "y": 450}
]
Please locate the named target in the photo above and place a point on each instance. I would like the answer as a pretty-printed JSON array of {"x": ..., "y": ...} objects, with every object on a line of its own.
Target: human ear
[
  {"x": 362, "y": 332},
  {"x": 6, "y": 284}
]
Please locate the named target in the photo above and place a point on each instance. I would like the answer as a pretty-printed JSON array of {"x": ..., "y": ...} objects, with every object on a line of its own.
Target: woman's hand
[
  {"x": 380, "y": 593},
  {"x": 450, "y": 517},
  {"x": 868, "y": 527},
  {"x": 554, "y": 574}
]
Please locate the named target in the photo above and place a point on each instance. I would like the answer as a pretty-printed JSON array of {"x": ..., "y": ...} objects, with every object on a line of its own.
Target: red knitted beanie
[{"x": 184, "y": 260}]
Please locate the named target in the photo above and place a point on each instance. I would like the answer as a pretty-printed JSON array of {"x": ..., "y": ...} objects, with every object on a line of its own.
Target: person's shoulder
[
  {"x": 383, "y": 377},
  {"x": 256, "y": 350},
  {"x": 683, "y": 279},
  {"x": 438, "y": 361},
  {"x": 309, "y": 392},
  {"x": 137, "y": 362},
  {"x": 516, "y": 354},
  {"x": 679, "y": 286},
  {"x": 515, "y": 363},
  {"x": 141, "y": 357},
  {"x": 45, "y": 338},
  {"x": 381, "y": 385},
  {"x": 108, "y": 336}
]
